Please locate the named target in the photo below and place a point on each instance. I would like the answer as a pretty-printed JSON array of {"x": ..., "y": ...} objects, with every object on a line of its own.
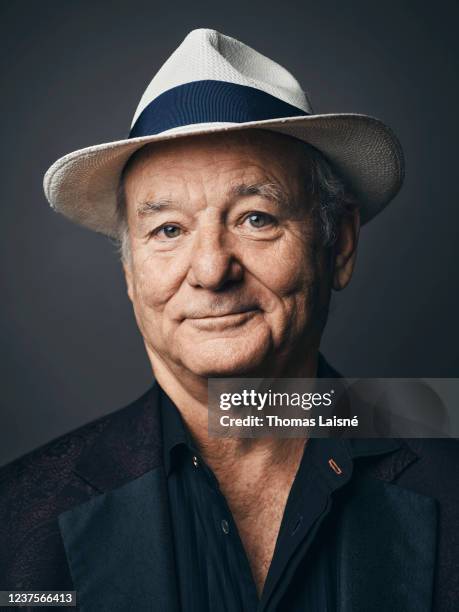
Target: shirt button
[
  {"x": 195, "y": 461},
  {"x": 225, "y": 526},
  {"x": 298, "y": 522}
]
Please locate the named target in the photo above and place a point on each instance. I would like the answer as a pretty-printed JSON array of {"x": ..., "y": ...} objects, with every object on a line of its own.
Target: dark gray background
[{"x": 73, "y": 73}]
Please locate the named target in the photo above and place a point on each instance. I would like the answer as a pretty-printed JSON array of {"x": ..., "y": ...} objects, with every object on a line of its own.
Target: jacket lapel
[
  {"x": 119, "y": 542},
  {"x": 387, "y": 541}
]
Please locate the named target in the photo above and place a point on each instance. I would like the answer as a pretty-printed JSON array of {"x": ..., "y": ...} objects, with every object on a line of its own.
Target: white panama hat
[{"x": 214, "y": 83}]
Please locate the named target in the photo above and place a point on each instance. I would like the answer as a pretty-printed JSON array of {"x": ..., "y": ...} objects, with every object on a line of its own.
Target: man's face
[{"x": 227, "y": 274}]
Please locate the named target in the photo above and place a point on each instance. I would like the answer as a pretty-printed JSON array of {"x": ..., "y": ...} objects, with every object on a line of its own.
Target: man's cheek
[
  {"x": 151, "y": 288},
  {"x": 292, "y": 277},
  {"x": 294, "y": 267}
]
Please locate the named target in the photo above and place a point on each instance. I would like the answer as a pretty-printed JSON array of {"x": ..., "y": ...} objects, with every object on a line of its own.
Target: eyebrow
[
  {"x": 268, "y": 190},
  {"x": 151, "y": 206}
]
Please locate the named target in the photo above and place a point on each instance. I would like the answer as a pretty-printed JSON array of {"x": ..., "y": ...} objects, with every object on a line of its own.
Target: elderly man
[{"x": 238, "y": 212}]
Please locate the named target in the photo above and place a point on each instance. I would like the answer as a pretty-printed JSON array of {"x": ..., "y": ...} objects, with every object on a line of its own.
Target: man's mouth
[
  {"x": 223, "y": 320},
  {"x": 237, "y": 310}
]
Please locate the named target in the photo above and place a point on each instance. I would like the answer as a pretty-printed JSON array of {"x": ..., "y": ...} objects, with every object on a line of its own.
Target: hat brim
[{"x": 83, "y": 185}]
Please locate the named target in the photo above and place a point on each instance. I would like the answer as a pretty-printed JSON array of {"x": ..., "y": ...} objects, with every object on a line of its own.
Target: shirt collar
[
  {"x": 175, "y": 434},
  {"x": 352, "y": 448},
  {"x": 333, "y": 457}
]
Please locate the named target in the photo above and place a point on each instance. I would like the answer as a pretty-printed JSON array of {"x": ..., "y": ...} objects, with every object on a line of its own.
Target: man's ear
[
  {"x": 345, "y": 249},
  {"x": 129, "y": 279}
]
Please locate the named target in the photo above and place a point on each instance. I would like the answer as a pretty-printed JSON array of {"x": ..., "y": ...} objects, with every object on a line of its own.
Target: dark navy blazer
[{"x": 89, "y": 512}]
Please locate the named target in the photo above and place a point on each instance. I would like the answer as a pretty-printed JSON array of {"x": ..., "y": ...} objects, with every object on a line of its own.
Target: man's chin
[{"x": 226, "y": 363}]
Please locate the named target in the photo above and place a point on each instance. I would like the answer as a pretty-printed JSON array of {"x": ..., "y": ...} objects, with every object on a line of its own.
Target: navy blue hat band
[{"x": 209, "y": 102}]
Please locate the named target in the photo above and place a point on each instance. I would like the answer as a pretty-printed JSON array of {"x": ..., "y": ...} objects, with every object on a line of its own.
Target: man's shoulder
[
  {"x": 38, "y": 487},
  {"x": 42, "y": 471}
]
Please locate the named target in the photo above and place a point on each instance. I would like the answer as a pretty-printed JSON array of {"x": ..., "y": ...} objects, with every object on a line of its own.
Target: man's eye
[
  {"x": 169, "y": 231},
  {"x": 259, "y": 220}
]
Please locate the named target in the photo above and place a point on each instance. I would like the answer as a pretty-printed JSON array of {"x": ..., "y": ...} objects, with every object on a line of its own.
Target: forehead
[{"x": 222, "y": 158}]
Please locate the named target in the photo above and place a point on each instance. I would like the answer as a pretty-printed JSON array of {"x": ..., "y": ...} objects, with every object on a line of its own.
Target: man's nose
[{"x": 213, "y": 263}]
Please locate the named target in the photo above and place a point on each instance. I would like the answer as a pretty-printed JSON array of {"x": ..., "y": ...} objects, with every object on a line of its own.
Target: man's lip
[
  {"x": 223, "y": 314},
  {"x": 226, "y": 322}
]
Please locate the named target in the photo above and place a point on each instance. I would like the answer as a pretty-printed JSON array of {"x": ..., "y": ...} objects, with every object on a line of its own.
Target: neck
[{"x": 189, "y": 394}]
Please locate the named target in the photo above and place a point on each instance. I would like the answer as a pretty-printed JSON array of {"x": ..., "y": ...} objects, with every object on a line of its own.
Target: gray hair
[
  {"x": 333, "y": 199},
  {"x": 122, "y": 241}
]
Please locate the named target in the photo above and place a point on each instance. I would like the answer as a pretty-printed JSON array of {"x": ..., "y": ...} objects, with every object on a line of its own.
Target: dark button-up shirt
[{"x": 212, "y": 567}]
